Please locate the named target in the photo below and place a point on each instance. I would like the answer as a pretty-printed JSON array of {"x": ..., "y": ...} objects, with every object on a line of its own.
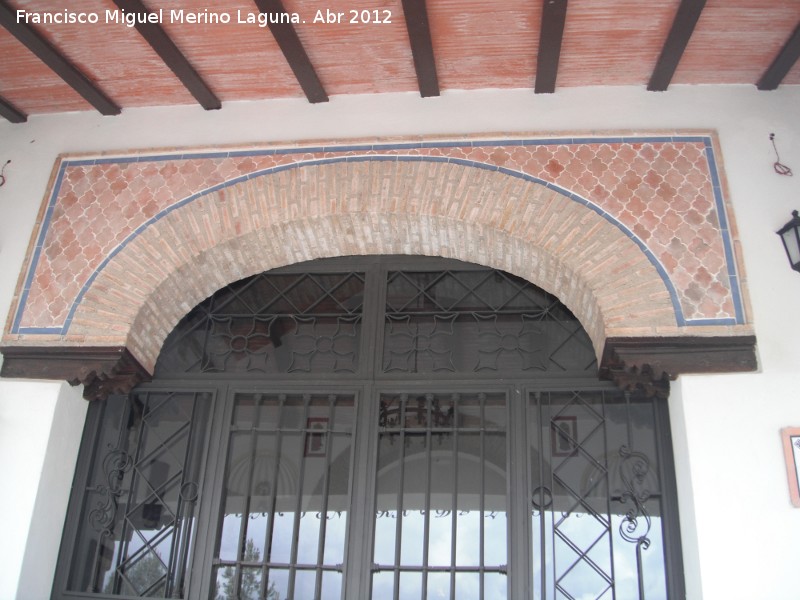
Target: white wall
[{"x": 738, "y": 524}]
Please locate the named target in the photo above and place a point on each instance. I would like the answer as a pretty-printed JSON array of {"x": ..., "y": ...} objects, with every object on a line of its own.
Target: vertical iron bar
[
  {"x": 325, "y": 491},
  {"x": 639, "y": 566},
  {"x": 604, "y": 406},
  {"x": 426, "y": 527},
  {"x": 273, "y": 493},
  {"x": 400, "y": 484},
  {"x": 246, "y": 508},
  {"x": 542, "y": 517},
  {"x": 482, "y": 501},
  {"x": 180, "y": 539},
  {"x": 299, "y": 500},
  {"x": 549, "y": 444},
  {"x": 454, "y": 500}
]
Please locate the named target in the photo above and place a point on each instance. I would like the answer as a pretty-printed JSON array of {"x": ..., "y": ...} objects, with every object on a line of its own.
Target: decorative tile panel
[{"x": 663, "y": 192}]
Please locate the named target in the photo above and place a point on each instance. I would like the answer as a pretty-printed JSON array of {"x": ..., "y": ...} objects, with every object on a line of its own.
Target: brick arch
[{"x": 375, "y": 207}]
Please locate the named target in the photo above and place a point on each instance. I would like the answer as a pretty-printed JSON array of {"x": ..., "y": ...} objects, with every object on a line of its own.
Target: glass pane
[
  {"x": 305, "y": 583},
  {"x": 284, "y": 512},
  {"x": 250, "y": 585},
  {"x": 412, "y": 536},
  {"x": 438, "y": 586},
  {"x": 386, "y": 501},
  {"x": 452, "y": 470},
  {"x": 223, "y": 583},
  {"x": 382, "y": 585},
  {"x": 410, "y": 586},
  {"x": 495, "y": 586},
  {"x": 278, "y": 584},
  {"x": 468, "y": 586},
  {"x": 287, "y": 494},
  {"x": 441, "y": 500},
  {"x": 331, "y": 585}
]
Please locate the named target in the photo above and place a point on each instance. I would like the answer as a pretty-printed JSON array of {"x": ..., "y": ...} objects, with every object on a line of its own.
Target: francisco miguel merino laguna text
[{"x": 131, "y": 19}]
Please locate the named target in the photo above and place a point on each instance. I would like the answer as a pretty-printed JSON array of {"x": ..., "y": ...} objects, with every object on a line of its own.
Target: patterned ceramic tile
[{"x": 659, "y": 190}]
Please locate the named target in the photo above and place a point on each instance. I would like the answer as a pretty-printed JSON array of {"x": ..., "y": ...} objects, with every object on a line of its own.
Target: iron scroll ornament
[
  {"x": 102, "y": 518},
  {"x": 634, "y": 469},
  {"x": 115, "y": 464}
]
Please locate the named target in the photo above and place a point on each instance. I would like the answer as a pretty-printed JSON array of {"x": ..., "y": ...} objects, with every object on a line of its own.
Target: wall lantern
[{"x": 790, "y": 234}]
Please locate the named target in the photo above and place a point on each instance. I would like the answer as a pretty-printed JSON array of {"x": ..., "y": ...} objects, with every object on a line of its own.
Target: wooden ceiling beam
[
  {"x": 554, "y": 15},
  {"x": 419, "y": 35},
  {"x": 166, "y": 49},
  {"x": 50, "y": 56},
  {"x": 11, "y": 112},
  {"x": 782, "y": 64},
  {"x": 293, "y": 50},
  {"x": 682, "y": 28}
]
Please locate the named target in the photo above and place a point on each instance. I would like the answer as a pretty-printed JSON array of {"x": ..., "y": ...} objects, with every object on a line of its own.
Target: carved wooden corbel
[
  {"x": 102, "y": 370},
  {"x": 648, "y": 364}
]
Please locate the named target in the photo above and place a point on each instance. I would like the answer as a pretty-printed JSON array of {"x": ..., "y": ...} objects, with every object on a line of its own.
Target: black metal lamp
[{"x": 790, "y": 234}]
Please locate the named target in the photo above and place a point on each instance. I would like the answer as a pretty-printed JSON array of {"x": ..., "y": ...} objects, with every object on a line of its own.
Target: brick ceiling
[{"x": 543, "y": 45}]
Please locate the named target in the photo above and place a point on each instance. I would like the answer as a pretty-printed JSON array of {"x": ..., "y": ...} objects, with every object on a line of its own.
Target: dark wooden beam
[
  {"x": 783, "y": 62},
  {"x": 682, "y": 28},
  {"x": 11, "y": 112},
  {"x": 158, "y": 39},
  {"x": 293, "y": 50},
  {"x": 648, "y": 364},
  {"x": 101, "y": 370},
  {"x": 419, "y": 34},
  {"x": 56, "y": 61},
  {"x": 554, "y": 14}
]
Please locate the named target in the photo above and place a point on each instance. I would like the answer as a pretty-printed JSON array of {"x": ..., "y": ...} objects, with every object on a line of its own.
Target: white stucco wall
[{"x": 739, "y": 529}]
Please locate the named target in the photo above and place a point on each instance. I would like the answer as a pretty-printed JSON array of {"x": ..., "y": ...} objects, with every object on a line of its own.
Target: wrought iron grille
[
  {"x": 596, "y": 496},
  {"x": 383, "y": 428},
  {"x": 271, "y": 323},
  {"x": 478, "y": 321},
  {"x": 441, "y": 503},
  {"x": 141, "y": 497},
  {"x": 286, "y": 497}
]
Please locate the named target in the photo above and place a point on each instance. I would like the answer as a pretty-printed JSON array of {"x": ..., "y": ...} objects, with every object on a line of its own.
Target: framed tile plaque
[{"x": 791, "y": 450}]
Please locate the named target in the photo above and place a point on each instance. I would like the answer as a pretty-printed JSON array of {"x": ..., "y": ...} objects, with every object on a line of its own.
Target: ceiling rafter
[
  {"x": 554, "y": 15},
  {"x": 293, "y": 50},
  {"x": 166, "y": 49},
  {"x": 11, "y": 112},
  {"x": 782, "y": 64},
  {"x": 678, "y": 38},
  {"x": 419, "y": 34},
  {"x": 62, "y": 67}
]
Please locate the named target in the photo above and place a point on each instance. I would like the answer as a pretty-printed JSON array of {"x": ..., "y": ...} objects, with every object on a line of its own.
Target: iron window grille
[{"x": 375, "y": 427}]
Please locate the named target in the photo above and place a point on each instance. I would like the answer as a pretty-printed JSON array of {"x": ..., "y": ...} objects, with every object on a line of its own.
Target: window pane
[
  {"x": 596, "y": 497},
  {"x": 441, "y": 484},
  {"x": 288, "y": 473}
]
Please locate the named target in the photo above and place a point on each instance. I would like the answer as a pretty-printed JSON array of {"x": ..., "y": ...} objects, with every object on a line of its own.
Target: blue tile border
[{"x": 393, "y": 147}]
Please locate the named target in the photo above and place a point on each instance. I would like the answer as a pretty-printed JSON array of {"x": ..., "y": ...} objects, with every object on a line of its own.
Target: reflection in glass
[
  {"x": 596, "y": 523},
  {"x": 268, "y": 324},
  {"x": 136, "y": 526},
  {"x": 440, "y": 493},
  {"x": 286, "y": 495}
]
